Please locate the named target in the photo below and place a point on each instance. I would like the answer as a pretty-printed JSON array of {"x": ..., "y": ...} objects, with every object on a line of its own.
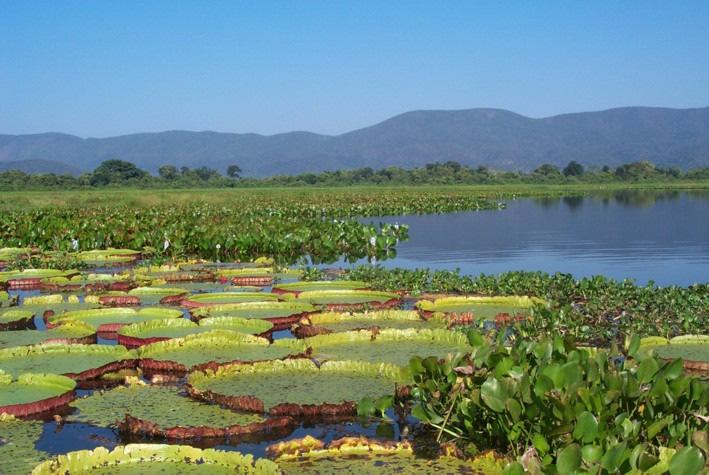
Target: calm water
[{"x": 660, "y": 236}]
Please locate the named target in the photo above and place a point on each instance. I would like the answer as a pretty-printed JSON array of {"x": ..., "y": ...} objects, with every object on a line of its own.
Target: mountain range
[{"x": 494, "y": 138}]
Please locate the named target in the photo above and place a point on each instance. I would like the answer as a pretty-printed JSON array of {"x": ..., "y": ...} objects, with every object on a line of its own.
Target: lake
[{"x": 642, "y": 235}]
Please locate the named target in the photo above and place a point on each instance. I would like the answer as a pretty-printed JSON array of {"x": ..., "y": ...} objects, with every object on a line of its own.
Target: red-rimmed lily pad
[
  {"x": 212, "y": 349},
  {"x": 139, "y": 334},
  {"x": 465, "y": 309},
  {"x": 350, "y": 300},
  {"x": 71, "y": 332},
  {"x": 288, "y": 387},
  {"x": 258, "y": 276},
  {"x": 156, "y": 458},
  {"x": 162, "y": 411},
  {"x": 281, "y": 314},
  {"x": 356, "y": 455},
  {"x": 16, "y": 319},
  {"x": 309, "y": 286},
  {"x": 162, "y": 295},
  {"x": 33, "y": 393},
  {"x": 54, "y": 304},
  {"x": 87, "y": 283},
  {"x": 170, "y": 273},
  {"x": 692, "y": 349},
  {"x": 333, "y": 322},
  {"x": 79, "y": 362},
  {"x": 31, "y": 278},
  {"x": 387, "y": 346},
  {"x": 225, "y": 298},
  {"x": 103, "y": 257},
  {"x": 108, "y": 320}
]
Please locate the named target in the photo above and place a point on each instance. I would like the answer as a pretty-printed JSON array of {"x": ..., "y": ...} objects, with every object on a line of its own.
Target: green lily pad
[
  {"x": 153, "y": 295},
  {"x": 482, "y": 308},
  {"x": 293, "y": 381},
  {"x": 387, "y": 346},
  {"x": 222, "y": 298},
  {"x": 204, "y": 287},
  {"x": 687, "y": 347},
  {"x": 59, "y": 358},
  {"x": 341, "y": 297},
  {"x": 16, "y": 318},
  {"x": 8, "y": 253},
  {"x": 35, "y": 274},
  {"x": 342, "y": 322},
  {"x": 219, "y": 346},
  {"x": 71, "y": 332},
  {"x": 255, "y": 310},
  {"x": 109, "y": 256},
  {"x": 57, "y": 303},
  {"x": 307, "y": 286},
  {"x": 162, "y": 405},
  {"x": 154, "y": 459},
  {"x": 29, "y": 389},
  {"x": 18, "y": 454},
  {"x": 178, "y": 328},
  {"x": 120, "y": 315}
]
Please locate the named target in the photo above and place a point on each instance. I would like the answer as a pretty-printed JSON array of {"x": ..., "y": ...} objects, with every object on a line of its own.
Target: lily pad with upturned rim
[
  {"x": 387, "y": 346},
  {"x": 350, "y": 299},
  {"x": 692, "y": 349},
  {"x": 334, "y": 322},
  {"x": 307, "y": 286},
  {"x": 108, "y": 320},
  {"x": 226, "y": 298},
  {"x": 154, "y": 295},
  {"x": 138, "y": 334},
  {"x": 297, "y": 387},
  {"x": 153, "y": 458},
  {"x": 70, "y": 332},
  {"x": 16, "y": 319},
  {"x": 480, "y": 307},
  {"x": 281, "y": 314},
  {"x": 55, "y": 304},
  {"x": 32, "y": 278},
  {"x": 33, "y": 393}
]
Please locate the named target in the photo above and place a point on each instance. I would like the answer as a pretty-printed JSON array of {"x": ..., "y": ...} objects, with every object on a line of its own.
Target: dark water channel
[{"x": 642, "y": 235}]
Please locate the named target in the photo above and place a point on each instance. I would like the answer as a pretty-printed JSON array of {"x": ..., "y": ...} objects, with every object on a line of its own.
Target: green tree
[
  {"x": 574, "y": 168},
  {"x": 116, "y": 172},
  {"x": 548, "y": 170},
  {"x": 168, "y": 172},
  {"x": 233, "y": 171}
]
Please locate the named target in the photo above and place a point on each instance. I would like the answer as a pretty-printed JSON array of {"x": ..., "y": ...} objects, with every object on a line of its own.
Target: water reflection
[{"x": 640, "y": 234}]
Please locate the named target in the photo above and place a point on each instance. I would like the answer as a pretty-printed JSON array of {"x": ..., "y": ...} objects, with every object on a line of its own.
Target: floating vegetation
[
  {"x": 86, "y": 282},
  {"x": 334, "y": 322},
  {"x": 463, "y": 309},
  {"x": 139, "y": 334},
  {"x": 31, "y": 278},
  {"x": 257, "y": 276},
  {"x": 281, "y": 314},
  {"x": 692, "y": 349},
  {"x": 212, "y": 349},
  {"x": 79, "y": 362},
  {"x": 108, "y": 320},
  {"x": 225, "y": 298},
  {"x": 69, "y": 332},
  {"x": 17, "y": 445},
  {"x": 286, "y": 388},
  {"x": 16, "y": 319},
  {"x": 154, "y": 458},
  {"x": 346, "y": 300},
  {"x": 32, "y": 394},
  {"x": 356, "y": 455},
  {"x": 109, "y": 256},
  {"x": 387, "y": 346},
  {"x": 309, "y": 286},
  {"x": 162, "y": 295}
]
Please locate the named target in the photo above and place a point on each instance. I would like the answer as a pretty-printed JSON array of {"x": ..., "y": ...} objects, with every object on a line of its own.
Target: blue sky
[{"x": 101, "y": 68}]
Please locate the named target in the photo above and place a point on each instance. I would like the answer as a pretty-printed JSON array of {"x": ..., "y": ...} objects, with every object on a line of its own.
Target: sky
[{"x": 103, "y": 68}]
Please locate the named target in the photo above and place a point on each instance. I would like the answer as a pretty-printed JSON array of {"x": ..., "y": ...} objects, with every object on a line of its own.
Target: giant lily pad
[
  {"x": 387, "y": 346},
  {"x": 225, "y": 298},
  {"x": 57, "y": 303},
  {"x": 32, "y": 278},
  {"x": 163, "y": 412},
  {"x": 109, "y": 256},
  {"x": 16, "y": 318},
  {"x": 71, "y": 332},
  {"x": 156, "y": 458},
  {"x": 138, "y": 334},
  {"x": 693, "y": 349},
  {"x": 170, "y": 273},
  {"x": 338, "y": 300},
  {"x": 281, "y": 314},
  {"x": 213, "y": 348},
  {"x": 333, "y": 322},
  {"x": 164, "y": 295},
  {"x": 79, "y": 362},
  {"x": 109, "y": 320},
  {"x": 356, "y": 455},
  {"x": 34, "y": 393},
  {"x": 86, "y": 282},
  {"x": 308, "y": 286},
  {"x": 9, "y": 253},
  {"x": 286, "y": 388},
  {"x": 259, "y": 276},
  {"x": 17, "y": 449},
  {"x": 464, "y": 308}
]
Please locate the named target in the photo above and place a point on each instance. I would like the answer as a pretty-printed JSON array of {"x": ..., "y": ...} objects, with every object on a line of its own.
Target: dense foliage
[
  {"x": 563, "y": 409},
  {"x": 595, "y": 309},
  {"x": 118, "y": 173}
]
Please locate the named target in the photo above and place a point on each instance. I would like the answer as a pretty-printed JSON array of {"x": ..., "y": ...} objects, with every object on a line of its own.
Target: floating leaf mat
[
  {"x": 481, "y": 308},
  {"x": 334, "y": 322},
  {"x": 34, "y": 393},
  {"x": 221, "y": 298},
  {"x": 153, "y": 295},
  {"x": 387, "y": 346},
  {"x": 693, "y": 349},
  {"x": 139, "y": 334},
  {"x": 156, "y": 458},
  {"x": 358, "y": 455},
  {"x": 79, "y": 362},
  {"x": 17, "y": 453},
  {"x": 298, "y": 287},
  {"x": 219, "y": 346},
  {"x": 58, "y": 303},
  {"x": 16, "y": 318},
  {"x": 296, "y": 387},
  {"x": 345, "y": 299},
  {"x": 110, "y": 319},
  {"x": 71, "y": 332},
  {"x": 281, "y": 314}
]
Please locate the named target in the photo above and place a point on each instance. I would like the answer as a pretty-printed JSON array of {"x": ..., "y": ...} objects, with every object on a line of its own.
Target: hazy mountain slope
[{"x": 491, "y": 137}]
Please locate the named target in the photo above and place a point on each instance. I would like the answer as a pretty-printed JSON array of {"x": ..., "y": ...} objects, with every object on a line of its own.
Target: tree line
[{"x": 119, "y": 173}]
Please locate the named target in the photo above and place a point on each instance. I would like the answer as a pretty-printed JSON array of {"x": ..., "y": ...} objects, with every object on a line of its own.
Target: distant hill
[
  {"x": 490, "y": 137},
  {"x": 40, "y": 166}
]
